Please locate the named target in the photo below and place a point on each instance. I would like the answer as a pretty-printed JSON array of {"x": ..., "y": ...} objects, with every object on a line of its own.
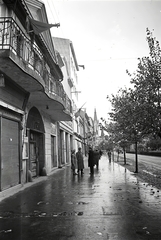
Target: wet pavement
[{"x": 113, "y": 204}]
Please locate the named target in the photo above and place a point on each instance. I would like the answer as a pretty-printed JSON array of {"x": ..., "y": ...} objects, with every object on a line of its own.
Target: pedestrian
[
  {"x": 91, "y": 162},
  {"x": 96, "y": 158},
  {"x": 109, "y": 155},
  {"x": 73, "y": 162},
  {"x": 100, "y": 151},
  {"x": 80, "y": 161}
]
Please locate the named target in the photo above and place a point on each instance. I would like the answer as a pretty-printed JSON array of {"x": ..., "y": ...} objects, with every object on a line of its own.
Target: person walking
[
  {"x": 91, "y": 162},
  {"x": 100, "y": 152},
  {"x": 96, "y": 158},
  {"x": 80, "y": 161},
  {"x": 73, "y": 162},
  {"x": 109, "y": 155}
]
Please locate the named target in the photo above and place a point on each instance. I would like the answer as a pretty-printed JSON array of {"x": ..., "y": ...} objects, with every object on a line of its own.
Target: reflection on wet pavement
[{"x": 113, "y": 204}]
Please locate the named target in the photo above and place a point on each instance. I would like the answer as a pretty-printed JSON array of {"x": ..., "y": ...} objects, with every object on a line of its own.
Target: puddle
[
  {"x": 79, "y": 203},
  {"x": 150, "y": 173},
  {"x": 39, "y": 214}
]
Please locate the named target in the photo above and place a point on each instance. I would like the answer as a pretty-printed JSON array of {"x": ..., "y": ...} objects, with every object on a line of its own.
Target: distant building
[
  {"x": 96, "y": 138},
  {"x": 38, "y": 96},
  {"x": 66, "y": 50}
]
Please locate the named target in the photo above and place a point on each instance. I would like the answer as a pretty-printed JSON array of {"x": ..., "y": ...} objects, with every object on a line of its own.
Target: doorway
[
  {"x": 10, "y": 156},
  {"x": 35, "y": 132},
  {"x": 53, "y": 152}
]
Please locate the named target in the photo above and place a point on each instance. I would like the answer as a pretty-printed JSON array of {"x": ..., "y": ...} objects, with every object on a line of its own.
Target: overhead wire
[
  {"x": 49, "y": 7},
  {"x": 55, "y": 17},
  {"x": 112, "y": 59}
]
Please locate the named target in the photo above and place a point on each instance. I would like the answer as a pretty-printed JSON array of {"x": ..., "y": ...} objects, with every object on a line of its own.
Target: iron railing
[{"x": 14, "y": 37}]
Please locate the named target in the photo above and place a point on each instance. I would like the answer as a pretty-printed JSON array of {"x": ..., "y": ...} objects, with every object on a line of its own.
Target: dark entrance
[
  {"x": 35, "y": 131},
  {"x": 10, "y": 165},
  {"x": 53, "y": 151},
  {"x": 62, "y": 147}
]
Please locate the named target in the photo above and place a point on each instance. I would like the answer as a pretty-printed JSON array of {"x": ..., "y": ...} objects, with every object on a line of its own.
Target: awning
[{"x": 39, "y": 27}]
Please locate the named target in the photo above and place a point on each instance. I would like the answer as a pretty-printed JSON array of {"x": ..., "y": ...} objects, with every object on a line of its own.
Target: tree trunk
[
  {"x": 124, "y": 149},
  {"x": 136, "y": 157}
]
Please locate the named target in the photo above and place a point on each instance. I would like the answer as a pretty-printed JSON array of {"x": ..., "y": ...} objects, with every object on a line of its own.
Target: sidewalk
[
  {"x": 146, "y": 172},
  {"x": 20, "y": 187},
  {"x": 113, "y": 204}
]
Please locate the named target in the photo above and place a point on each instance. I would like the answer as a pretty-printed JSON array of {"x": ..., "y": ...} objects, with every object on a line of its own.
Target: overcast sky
[{"x": 108, "y": 37}]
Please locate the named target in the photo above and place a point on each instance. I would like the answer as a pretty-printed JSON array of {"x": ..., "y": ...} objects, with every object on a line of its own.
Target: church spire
[
  {"x": 95, "y": 123},
  {"x": 95, "y": 115}
]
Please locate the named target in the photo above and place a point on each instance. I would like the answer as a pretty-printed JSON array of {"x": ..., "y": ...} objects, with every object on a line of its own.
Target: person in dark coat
[
  {"x": 80, "y": 162},
  {"x": 96, "y": 158},
  {"x": 73, "y": 162},
  {"x": 109, "y": 155},
  {"x": 91, "y": 162},
  {"x": 100, "y": 151}
]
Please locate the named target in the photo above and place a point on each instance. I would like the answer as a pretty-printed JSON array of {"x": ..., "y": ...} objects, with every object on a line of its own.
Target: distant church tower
[
  {"x": 95, "y": 123},
  {"x": 95, "y": 128}
]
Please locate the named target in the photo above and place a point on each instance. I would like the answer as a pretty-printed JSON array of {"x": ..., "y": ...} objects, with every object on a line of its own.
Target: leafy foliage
[{"x": 137, "y": 111}]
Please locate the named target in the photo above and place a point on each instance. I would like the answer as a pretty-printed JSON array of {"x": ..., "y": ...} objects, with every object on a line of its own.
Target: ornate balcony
[{"x": 23, "y": 61}]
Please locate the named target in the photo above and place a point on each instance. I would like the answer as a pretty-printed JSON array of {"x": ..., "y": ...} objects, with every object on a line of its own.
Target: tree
[
  {"x": 153, "y": 143},
  {"x": 128, "y": 118},
  {"x": 147, "y": 85},
  {"x": 137, "y": 111}
]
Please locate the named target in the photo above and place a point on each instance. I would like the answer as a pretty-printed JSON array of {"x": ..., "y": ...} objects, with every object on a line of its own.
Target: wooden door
[
  {"x": 53, "y": 151},
  {"x": 33, "y": 159},
  {"x": 10, "y": 168}
]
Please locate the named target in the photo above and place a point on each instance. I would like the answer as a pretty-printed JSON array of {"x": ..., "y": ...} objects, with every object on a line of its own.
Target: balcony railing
[{"x": 14, "y": 37}]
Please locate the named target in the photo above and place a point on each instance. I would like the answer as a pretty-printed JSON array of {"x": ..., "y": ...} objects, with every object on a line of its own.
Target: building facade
[
  {"x": 70, "y": 69},
  {"x": 33, "y": 101}
]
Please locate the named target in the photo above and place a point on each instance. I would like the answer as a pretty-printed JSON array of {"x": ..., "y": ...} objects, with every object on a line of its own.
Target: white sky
[{"x": 108, "y": 37}]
